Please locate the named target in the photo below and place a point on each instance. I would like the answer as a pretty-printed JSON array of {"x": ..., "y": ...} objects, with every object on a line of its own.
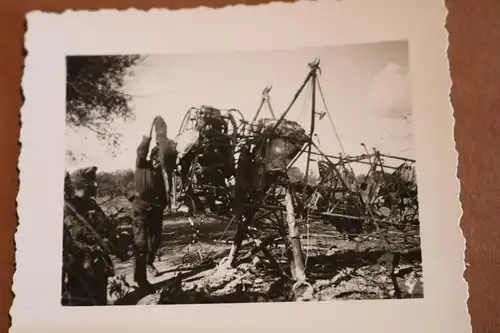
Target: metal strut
[
  {"x": 266, "y": 99},
  {"x": 314, "y": 69}
]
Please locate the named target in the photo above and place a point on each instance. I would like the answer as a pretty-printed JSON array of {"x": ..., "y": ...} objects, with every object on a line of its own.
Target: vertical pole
[
  {"x": 313, "y": 123},
  {"x": 297, "y": 265}
]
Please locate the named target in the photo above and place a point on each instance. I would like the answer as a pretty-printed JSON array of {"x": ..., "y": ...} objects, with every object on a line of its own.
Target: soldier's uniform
[
  {"x": 86, "y": 261},
  {"x": 149, "y": 202}
]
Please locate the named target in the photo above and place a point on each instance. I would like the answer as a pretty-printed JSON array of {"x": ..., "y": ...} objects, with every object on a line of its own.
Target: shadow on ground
[
  {"x": 327, "y": 266},
  {"x": 323, "y": 267},
  {"x": 135, "y": 296}
]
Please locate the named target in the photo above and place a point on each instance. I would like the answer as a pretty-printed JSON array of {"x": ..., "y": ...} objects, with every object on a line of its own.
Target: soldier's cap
[
  {"x": 68, "y": 185},
  {"x": 84, "y": 176},
  {"x": 67, "y": 178}
]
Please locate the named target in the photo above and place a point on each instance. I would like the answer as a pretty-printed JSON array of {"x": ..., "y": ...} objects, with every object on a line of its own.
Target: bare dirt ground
[{"x": 337, "y": 268}]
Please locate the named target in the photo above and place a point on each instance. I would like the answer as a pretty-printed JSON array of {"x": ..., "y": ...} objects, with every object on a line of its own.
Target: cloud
[
  {"x": 389, "y": 103},
  {"x": 389, "y": 95}
]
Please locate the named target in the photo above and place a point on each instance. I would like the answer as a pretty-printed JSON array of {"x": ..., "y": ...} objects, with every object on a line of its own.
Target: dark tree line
[
  {"x": 295, "y": 175},
  {"x": 115, "y": 184}
]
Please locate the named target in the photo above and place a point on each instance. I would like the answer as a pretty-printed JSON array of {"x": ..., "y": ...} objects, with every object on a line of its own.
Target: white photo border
[{"x": 51, "y": 37}]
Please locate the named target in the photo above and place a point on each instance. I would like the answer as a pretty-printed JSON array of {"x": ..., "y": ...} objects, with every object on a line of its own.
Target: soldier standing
[
  {"x": 86, "y": 261},
  {"x": 150, "y": 200}
]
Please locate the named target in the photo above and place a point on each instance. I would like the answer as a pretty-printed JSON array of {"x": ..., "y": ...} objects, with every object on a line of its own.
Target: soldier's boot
[
  {"x": 101, "y": 292},
  {"x": 152, "y": 253},
  {"x": 140, "y": 275}
]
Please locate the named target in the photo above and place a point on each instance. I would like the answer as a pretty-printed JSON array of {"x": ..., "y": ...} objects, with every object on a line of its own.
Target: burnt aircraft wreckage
[{"x": 242, "y": 171}]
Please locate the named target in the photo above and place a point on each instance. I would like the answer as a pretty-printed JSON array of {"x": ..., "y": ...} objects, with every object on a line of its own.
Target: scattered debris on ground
[
  {"x": 249, "y": 283},
  {"x": 337, "y": 269}
]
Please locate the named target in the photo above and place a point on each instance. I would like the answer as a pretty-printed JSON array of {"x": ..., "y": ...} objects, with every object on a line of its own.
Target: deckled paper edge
[{"x": 23, "y": 133}]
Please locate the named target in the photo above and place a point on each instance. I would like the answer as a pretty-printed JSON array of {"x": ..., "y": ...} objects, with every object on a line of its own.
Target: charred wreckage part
[
  {"x": 242, "y": 170},
  {"x": 274, "y": 146},
  {"x": 271, "y": 147},
  {"x": 206, "y": 143}
]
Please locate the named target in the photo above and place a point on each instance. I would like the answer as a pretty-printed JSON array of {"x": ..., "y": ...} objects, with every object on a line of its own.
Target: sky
[{"x": 366, "y": 88}]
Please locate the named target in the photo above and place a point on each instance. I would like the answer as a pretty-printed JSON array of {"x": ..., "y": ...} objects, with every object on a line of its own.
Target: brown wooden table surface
[{"x": 474, "y": 51}]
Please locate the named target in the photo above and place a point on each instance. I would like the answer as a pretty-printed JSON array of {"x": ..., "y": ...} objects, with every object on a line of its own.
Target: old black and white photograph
[
  {"x": 241, "y": 177},
  {"x": 274, "y": 167}
]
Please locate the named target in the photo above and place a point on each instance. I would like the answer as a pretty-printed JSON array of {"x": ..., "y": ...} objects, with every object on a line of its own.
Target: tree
[
  {"x": 124, "y": 182},
  {"x": 312, "y": 179},
  {"x": 94, "y": 96},
  {"x": 115, "y": 184},
  {"x": 295, "y": 175},
  {"x": 107, "y": 184}
]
